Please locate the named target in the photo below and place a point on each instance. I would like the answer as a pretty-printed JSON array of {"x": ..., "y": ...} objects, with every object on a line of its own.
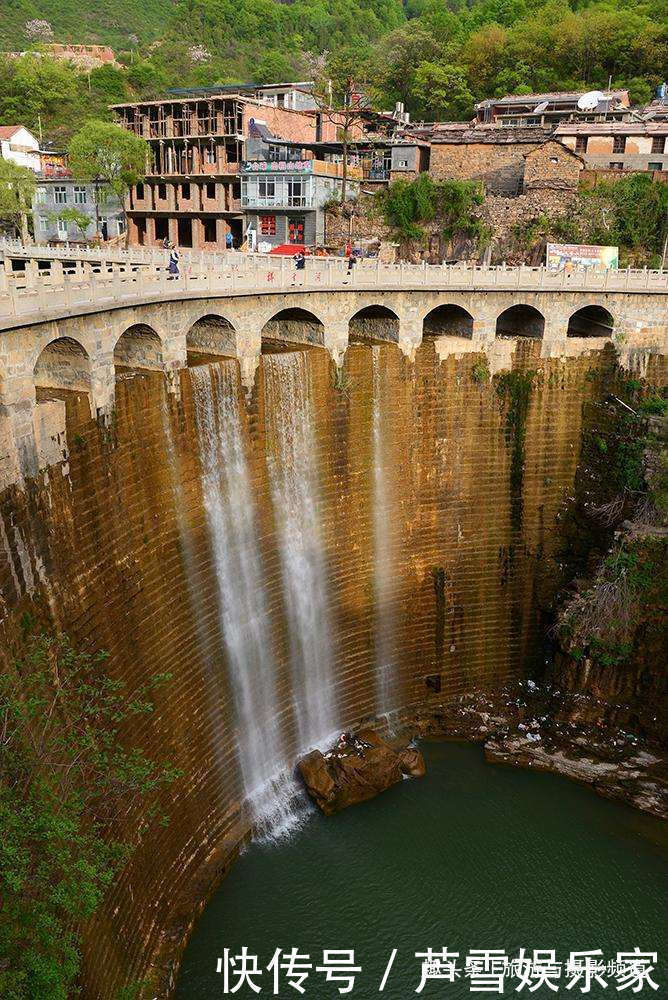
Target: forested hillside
[{"x": 435, "y": 56}]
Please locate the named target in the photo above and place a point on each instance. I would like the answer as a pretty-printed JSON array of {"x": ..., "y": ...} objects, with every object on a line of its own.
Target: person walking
[
  {"x": 229, "y": 241},
  {"x": 352, "y": 260},
  {"x": 173, "y": 264}
]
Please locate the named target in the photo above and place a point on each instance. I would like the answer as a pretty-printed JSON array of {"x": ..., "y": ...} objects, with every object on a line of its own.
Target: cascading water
[
  {"x": 294, "y": 485},
  {"x": 387, "y": 693},
  {"x": 274, "y": 798}
]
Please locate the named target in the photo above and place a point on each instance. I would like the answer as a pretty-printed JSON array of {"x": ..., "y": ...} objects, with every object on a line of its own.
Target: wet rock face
[
  {"x": 532, "y": 726},
  {"x": 359, "y": 767}
]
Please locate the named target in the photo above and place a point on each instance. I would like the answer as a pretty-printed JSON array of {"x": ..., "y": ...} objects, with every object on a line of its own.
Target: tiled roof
[
  {"x": 7, "y": 131},
  {"x": 552, "y": 96},
  {"x": 612, "y": 128},
  {"x": 494, "y": 135}
]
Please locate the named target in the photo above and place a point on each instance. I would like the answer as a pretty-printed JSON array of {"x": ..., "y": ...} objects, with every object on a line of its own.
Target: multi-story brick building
[{"x": 192, "y": 192}]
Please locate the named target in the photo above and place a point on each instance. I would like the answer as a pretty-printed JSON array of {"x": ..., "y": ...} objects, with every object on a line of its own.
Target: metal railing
[{"x": 61, "y": 281}]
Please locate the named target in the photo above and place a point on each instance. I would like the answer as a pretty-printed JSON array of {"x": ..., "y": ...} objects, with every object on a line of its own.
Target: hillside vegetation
[{"x": 436, "y": 57}]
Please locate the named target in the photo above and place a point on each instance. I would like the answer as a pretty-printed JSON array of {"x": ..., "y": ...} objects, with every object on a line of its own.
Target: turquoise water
[{"x": 472, "y": 856}]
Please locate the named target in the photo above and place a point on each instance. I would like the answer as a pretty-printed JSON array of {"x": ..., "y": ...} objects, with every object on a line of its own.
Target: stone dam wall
[{"x": 329, "y": 548}]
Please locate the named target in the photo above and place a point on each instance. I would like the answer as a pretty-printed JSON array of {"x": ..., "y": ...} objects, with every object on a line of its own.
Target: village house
[
  {"x": 192, "y": 192},
  {"x": 521, "y": 110},
  {"x": 630, "y": 145},
  {"x": 54, "y": 196},
  {"x": 491, "y": 154},
  {"x": 20, "y": 146}
]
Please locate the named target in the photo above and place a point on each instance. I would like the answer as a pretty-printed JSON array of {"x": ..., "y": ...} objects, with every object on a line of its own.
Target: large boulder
[{"x": 357, "y": 768}]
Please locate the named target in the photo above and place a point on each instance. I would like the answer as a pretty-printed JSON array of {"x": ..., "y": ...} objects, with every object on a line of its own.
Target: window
[
  {"x": 296, "y": 229},
  {"x": 266, "y": 189},
  {"x": 210, "y": 190},
  {"x": 40, "y": 196},
  {"x": 658, "y": 143},
  {"x": 268, "y": 225},
  {"x": 60, "y": 195},
  {"x": 62, "y": 229},
  {"x": 210, "y": 230},
  {"x": 43, "y": 225},
  {"x": 162, "y": 192},
  {"x": 210, "y": 154},
  {"x": 581, "y": 144},
  {"x": 185, "y": 191},
  {"x": 654, "y": 165},
  {"x": 79, "y": 195},
  {"x": 619, "y": 143},
  {"x": 139, "y": 191},
  {"x": 616, "y": 166},
  {"x": 275, "y": 153},
  {"x": 295, "y": 191}
]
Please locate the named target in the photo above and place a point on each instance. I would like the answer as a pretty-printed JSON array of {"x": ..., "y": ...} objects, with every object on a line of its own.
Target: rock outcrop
[{"x": 359, "y": 767}]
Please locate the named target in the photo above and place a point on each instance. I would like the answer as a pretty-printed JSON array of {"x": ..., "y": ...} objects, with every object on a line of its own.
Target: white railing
[{"x": 66, "y": 284}]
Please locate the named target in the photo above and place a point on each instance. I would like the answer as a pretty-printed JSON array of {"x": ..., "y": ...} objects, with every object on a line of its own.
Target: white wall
[{"x": 22, "y": 149}]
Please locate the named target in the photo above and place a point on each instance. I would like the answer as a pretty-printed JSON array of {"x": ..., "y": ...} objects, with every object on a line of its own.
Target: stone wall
[
  {"x": 112, "y": 544},
  {"x": 499, "y": 166},
  {"x": 552, "y": 166}
]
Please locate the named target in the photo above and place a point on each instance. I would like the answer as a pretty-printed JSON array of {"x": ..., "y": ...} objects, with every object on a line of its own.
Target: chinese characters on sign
[{"x": 486, "y": 970}]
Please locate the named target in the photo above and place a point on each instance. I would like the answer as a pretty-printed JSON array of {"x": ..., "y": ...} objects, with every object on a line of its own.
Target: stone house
[
  {"x": 494, "y": 155},
  {"x": 552, "y": 166}
]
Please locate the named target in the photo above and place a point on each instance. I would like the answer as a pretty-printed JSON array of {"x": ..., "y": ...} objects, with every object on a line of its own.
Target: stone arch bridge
[{"x": 77, "y": 328}]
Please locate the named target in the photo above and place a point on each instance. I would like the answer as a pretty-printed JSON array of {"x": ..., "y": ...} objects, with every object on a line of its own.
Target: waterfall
[
  {"x": 387, "y": 692},
  {"x": 271, "y": 792},
  {"x": 292, "y": 460}
]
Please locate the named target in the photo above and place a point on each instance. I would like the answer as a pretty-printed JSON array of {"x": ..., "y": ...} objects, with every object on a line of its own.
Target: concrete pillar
[
  {"x": 173, "y": 224},
  {"x": 197, "y": 233},
  {"x": 132, "y": 230}
]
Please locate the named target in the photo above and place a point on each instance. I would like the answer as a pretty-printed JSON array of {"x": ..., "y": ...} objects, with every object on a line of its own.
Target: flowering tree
[
  {"x": 199, "y": 54},
  {"x": 38, "y": 30}
]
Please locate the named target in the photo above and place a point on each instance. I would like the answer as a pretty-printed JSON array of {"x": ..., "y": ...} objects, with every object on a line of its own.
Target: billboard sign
[{"x": 581, "y": 257}]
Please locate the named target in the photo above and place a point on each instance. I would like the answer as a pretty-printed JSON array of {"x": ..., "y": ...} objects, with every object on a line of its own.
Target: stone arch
[
  {"x": 521, "y": 320},
  {"x": 63, "y": 365},
  {"x": 448, "y": 320},
  {"x": 138, "y": 347},
  {"x": 591, "y": 321},
  {"x": 210, "y": 338},
  {"x": 373, "y": 324},
  {"x": 291, "y": 329}
]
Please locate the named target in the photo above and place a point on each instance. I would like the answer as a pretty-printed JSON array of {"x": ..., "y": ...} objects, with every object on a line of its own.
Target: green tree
[
  {"x": 17, "y": 189},
  {"x": 442, "y": 92},
  {"x": 79, "y": 219},
  {"x": 65, "y": 774},
  {"x": 111, "y": 155}
]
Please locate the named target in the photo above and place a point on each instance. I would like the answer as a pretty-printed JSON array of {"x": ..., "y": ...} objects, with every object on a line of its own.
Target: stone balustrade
[{"x": 72, "y": 283}]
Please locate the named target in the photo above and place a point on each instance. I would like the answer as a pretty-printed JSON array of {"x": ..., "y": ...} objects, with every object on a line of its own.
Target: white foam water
[
  {"x": 387, "y": 683},
  {"x": 271, "y": 792},
  {"x": 292, "y": 463}
]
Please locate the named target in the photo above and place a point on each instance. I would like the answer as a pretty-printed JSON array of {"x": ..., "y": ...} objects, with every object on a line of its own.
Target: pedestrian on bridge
[{"x": 173, "y": 264}]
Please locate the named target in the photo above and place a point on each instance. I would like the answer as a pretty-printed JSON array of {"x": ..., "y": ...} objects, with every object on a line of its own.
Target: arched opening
[
  {"x": 374, "y": 325},
  {"x": 521, "y": 321},
  {"x": 292, "y": 329},
  {"x": 591, "y": 321},
  {"x": 209, "y": 339},
  {"x": 448, "y": 321},
  {"x": 62, "y": 368},
  {"x": 139, "y": 348}
]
